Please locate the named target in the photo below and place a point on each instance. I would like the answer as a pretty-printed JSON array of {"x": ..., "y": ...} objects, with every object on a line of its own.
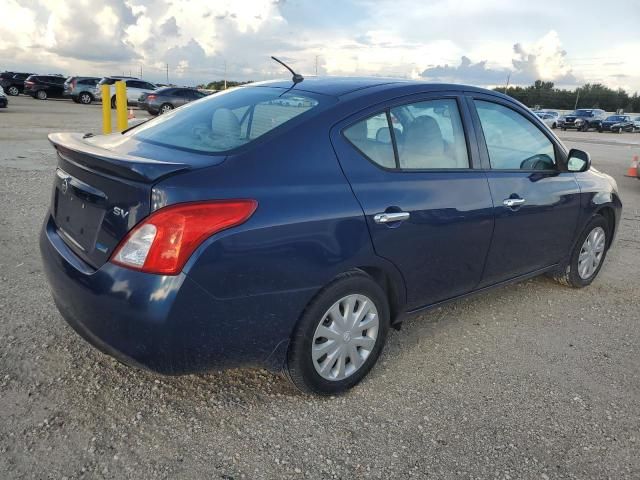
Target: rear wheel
[
  {"x": 619, "y": 130},
  {"x": 340, "y": 335},
  {"x": 85, "y": 98},
  {"x": 166, "y": 107},
  {"x": 587, "y": 256},
  {"x": 13, "y": 91},
  {"x": 41, "y": 94}
]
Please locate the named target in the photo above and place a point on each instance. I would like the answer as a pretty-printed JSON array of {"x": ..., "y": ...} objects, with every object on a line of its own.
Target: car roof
[{"x": 340, "y": 86}]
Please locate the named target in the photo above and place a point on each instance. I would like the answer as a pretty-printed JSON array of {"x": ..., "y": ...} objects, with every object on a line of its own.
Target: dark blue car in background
[{"x": 291, "y": 225}]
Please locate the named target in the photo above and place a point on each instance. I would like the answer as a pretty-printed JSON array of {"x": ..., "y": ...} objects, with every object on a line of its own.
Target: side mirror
[{"x": 578, "y": 161}]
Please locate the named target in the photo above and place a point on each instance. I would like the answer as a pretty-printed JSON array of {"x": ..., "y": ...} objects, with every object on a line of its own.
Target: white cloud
[{"x": 198, "y": 38}]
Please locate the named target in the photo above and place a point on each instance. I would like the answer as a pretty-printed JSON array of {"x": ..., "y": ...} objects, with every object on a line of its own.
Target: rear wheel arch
[{"x": 390, "y": 288}]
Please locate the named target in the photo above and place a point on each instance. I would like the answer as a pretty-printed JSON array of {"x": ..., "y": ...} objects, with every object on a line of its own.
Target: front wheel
[
  {"x": 587, "y": 256},
  {"x": 339, "y": 336},
  {"x": 13, "y": 91}
]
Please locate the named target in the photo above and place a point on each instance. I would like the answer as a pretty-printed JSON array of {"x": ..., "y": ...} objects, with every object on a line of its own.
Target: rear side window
[
  {"x": 428, "y": 135},
  {"x": 432, "y": 135},
  {"x": 227, "y": 120},
  {"x": 514, "y": 142},
  {"x": 373, "y": 138}
]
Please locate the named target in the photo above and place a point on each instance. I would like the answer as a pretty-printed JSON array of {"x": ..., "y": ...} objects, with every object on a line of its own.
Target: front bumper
[
  {"x": 3, "y": 102},
  {"x": 167, "y": 324}
]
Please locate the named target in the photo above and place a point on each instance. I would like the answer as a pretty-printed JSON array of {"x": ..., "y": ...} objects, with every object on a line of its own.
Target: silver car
[{"x": 549, "y": 119}]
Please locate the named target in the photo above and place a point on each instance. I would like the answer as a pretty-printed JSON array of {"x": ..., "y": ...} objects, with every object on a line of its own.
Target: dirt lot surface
[{"x": 531, "y": 381}]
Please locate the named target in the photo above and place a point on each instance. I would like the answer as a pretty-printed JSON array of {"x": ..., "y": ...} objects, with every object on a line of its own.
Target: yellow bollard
[
  {"x": 106, "y": 109},
  {"x": 121, "y": 105}
]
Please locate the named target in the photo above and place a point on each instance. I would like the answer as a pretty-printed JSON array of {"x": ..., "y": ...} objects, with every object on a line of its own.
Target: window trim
[
  {"x": 467, "y": 128},
  {"x": 559, "y": 150}
]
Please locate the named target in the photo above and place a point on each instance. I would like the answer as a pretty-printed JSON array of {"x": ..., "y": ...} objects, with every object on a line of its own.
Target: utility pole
[
  {"x": 317, "y": 56},
  {"x": 167, "y": 73},
  {"x": 507, "y": 85},
  {"x": 225, "y": 75},
  {"x": 140, "y": 70},
  {"x": 575, "y": 107}
]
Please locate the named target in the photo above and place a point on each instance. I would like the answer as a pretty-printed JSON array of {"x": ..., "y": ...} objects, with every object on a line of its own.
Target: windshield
[
  {"x": 583, "y": 113},
  {"x": 615, "y": 118},
  {"x": 225, "y": 121}
]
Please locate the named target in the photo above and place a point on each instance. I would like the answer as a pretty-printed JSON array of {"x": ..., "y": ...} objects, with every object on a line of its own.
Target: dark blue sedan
[{"x": 291, "y": 225}]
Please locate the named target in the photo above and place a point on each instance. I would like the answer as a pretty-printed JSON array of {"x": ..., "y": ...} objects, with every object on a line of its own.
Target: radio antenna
[{"x": 297, "y": 78}]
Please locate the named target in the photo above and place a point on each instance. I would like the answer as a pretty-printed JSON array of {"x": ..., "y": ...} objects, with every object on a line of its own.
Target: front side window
[
  {"x": 227, "y": 120},
  {"x": 513, "y": 142}
]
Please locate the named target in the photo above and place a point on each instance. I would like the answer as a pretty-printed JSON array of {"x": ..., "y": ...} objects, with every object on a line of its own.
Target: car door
[
  {"x": 536, "y": 201},
  {"x": 428, "y": 210},
  {"x": 134, "y": 91}
]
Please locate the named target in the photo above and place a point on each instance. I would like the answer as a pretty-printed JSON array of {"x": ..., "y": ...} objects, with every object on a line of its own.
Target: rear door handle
[
  {"x": 513, "y": 202},
  {"x": 390, "y": 217}
]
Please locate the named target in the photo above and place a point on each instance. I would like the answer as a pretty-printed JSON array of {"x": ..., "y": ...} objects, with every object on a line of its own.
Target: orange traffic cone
[
  {"x": 131, "y": 115},
  {"x": 633, "y": 168}
]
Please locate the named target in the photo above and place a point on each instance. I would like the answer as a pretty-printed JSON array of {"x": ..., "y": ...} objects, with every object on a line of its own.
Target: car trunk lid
[{"x": 99, "y": 194}]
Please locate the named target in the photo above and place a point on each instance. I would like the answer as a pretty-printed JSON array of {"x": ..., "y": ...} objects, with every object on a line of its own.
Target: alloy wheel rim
[
  {"x": 345, "y": 337},
  {"x": 591, "y": 253},
  {"x": 85, "y": 98},
  {"x": 13, "y": 90},
  {"x": 166, "y": 108}
]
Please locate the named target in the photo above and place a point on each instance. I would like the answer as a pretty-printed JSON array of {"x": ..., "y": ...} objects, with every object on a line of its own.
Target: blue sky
[{"x": 474, "y": 42}]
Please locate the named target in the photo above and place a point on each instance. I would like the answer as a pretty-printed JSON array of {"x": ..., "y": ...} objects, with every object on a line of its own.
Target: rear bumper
[{"x": 167, "y": 324}]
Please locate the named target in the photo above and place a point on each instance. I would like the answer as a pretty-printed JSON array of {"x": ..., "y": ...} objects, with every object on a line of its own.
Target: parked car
[
  {"x": 551, "y": 114},
  {"x": 548, "y": 119},
  {"x": 81, "y": 89},
  {"x": 616, "y": 123},
  {"x": 13, "y": 82},
  {"x": 636, "y": 123},
  {"x": 166, "y": 99},
  {"x": 4, "y": 102},
  {"x": 135, "y": 88},
  {"x": 234, "y": 231},
  {"x": 44, "y": 86},
  {"x": 583, "y": 119}
]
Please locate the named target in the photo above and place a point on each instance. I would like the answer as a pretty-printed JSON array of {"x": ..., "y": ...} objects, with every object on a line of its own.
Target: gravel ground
[{"x": 533, "y": 381}]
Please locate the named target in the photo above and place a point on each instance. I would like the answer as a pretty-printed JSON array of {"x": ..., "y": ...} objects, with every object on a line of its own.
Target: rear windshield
[
  {"x": 616, "y": 118},
  {"x": 228, "y": 120}
]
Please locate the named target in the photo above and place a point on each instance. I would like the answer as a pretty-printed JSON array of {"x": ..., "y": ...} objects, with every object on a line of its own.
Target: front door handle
[
  {"x": 391, "y": 217},
  {"x": 513, "y": 202}
]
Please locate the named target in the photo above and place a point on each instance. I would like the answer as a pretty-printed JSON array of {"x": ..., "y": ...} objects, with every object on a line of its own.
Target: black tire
[
  {"x": 300, "y": 368},
  {"x": 164, "y": 108},
  {"x": 113, "y": 102},
  {"x": 41, "y": 95},
  {"x": 564, "y": 129},
  {"x": 13, "y": 91},
  {"x": 569, "y": 275},
  {"x": 75, "y": 100},
  {"x": 85, "y": 98},
  {"x": 600, "y": 130},
  {"x": 554, "y": 126}
]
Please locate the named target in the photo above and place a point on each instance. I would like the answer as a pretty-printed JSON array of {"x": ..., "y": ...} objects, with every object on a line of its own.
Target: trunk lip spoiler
[{"x": 73, "y": 148}]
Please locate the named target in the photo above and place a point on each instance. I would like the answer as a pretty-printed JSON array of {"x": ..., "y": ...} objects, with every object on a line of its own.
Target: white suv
[{"x": 135, "y": 88}]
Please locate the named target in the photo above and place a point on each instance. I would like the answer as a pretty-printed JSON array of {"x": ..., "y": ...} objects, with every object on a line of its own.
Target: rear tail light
[
  {"x": 164, "y": 241},
  {"x": 150, "y": 97}
]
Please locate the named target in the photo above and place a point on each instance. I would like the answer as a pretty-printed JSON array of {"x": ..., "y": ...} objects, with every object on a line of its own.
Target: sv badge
[{"x": 120, "y": 212}]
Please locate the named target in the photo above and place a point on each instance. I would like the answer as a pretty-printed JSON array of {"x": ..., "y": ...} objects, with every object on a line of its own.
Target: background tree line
[{"x": 590, "y": 95}]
